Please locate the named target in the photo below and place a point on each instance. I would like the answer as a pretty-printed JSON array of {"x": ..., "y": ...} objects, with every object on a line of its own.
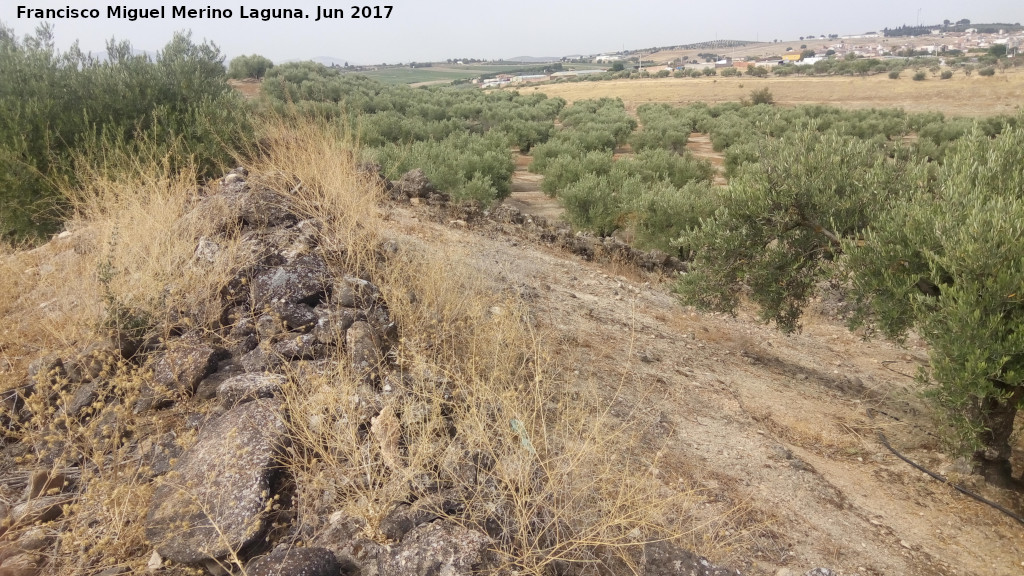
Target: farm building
[
  {"x": 530, "y": 78},
  {"x": 571, "y": 73}
]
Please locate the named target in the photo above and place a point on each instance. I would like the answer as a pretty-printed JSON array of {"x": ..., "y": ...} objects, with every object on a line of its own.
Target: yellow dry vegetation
[{"x": 961, "y": 95}]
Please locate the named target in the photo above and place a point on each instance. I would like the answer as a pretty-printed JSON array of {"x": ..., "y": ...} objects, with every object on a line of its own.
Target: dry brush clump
[{"x": 458, "y": 411}]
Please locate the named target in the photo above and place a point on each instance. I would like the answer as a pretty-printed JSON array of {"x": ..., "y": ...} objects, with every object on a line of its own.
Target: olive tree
[
  {"x": 950, "y": 263},
  {"x": 942, "y": 253},
  {"x": 782, "y": 221},
  {"x": 254, "y": 66}
]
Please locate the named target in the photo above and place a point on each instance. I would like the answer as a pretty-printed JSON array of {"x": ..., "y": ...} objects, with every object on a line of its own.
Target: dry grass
[
  {"x": 477, "y": 403},
  {"x": 959, "y": 96},
  {"x": 127, "y": 263}
]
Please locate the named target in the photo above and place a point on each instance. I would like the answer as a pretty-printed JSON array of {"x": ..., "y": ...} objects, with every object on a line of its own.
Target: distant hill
[{"x": 533, "y": 59}]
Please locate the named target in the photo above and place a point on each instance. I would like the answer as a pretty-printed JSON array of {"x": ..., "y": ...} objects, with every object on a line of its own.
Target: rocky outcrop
[
  {"x": 583, "y": 244},
  {"x": 415, "y": 184},
  {"x": 290, "y": 309}
]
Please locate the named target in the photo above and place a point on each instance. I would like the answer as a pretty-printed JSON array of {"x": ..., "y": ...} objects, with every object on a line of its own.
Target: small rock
[
  {"x": 178, "y": 372},
  {"x": 85, "y": 396},
  {"x": 23, "y": 565},
  {"x": 405, "y": 517},
  {"x": 352, "y": 292},
  {"x": 156, "y": 562},
  {"x": 42, "y": 509},
  {"x": 43, "y": 483},
  {"x": 363, "y": 345},
  {"x": 301, "y": 281},
  {"x": 207, "y": 389},
  {"x": 296, "y": 562},
  {"x": 414, "y": 184},
  {"x": 299, "y": 347},
  {"x": 247, "y": 387},
  {"x": 34, "y": 539},
  {"x": 207, "y": 250},
  {"x": 261, "y": 359},
  {"x": 441, "y": 548},
  {"x": 342, "y": 537}
]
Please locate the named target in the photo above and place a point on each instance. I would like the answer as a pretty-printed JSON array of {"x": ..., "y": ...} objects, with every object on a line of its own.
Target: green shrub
[
  {"x": 594, "y": 203},
  {"x": 988, "y": 71},
  {"x": 659, "y": 165},
  {"x": 662, "y": 212},
  {"x": 924, "y": 246},
  {"x": 68, "y": 108},
  {"x": 469, "y": 167},
  {"x": 920, "y": 75},
  {"x": 946, "y": 74},
  {"x": 254, "y": 66},
  {"x": 894, "y": 75},
  {"x": 781, "y": 219},
  {"x": 554, "y": 148},
  {"x": 565, "y": 170},
  {"x": 946, "y": 262},
  {"x": 762, "y": 96}
]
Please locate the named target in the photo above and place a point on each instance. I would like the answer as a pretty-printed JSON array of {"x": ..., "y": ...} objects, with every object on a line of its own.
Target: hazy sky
[{"x": 437, "y": 30}]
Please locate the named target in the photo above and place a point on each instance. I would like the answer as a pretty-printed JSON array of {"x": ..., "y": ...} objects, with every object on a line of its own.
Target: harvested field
[{"x": 958, "y": 96}]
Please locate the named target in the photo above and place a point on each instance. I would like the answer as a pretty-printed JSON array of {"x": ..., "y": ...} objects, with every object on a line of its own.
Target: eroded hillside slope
[{"x": 772, "y": 431}]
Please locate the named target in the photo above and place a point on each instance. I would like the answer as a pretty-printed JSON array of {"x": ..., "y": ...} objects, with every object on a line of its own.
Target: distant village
[{"x": 937, "y": 42}]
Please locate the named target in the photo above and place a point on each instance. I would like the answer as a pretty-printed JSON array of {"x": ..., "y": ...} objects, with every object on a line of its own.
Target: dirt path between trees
[
  {"x": 700, "y": 146},
  {"x": 526, "y": 193}
]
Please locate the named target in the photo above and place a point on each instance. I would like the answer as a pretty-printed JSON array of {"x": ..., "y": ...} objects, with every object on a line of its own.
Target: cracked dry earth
[{"x": 770, "y": 431}]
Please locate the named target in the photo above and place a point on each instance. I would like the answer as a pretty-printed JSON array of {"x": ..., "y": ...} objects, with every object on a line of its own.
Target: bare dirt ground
[
  {"x": 771, "y": 431},
  {"x": 959, "y": 96},
  {"x": 700, "y": 146},
  {"x": 526, "y": 193},
  {"x": 249, "y": 88}
]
